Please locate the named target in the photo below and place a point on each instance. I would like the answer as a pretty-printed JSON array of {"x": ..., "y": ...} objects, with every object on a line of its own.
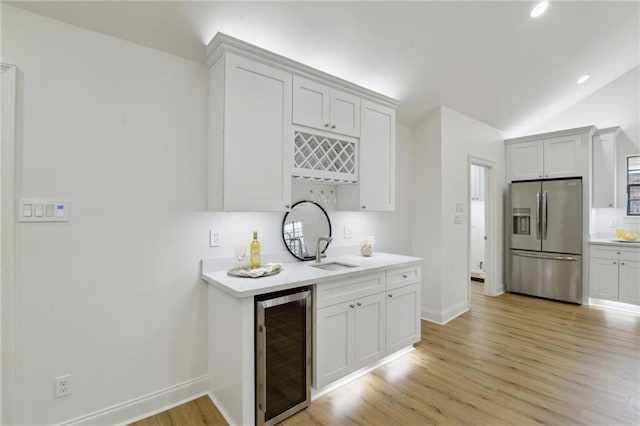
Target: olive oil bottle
[{"x": 254, "y": 251}]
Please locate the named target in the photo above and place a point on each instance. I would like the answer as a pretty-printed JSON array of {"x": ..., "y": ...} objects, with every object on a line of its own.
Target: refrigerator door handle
[
  {"x": 544, "y": 215},
  {"x": 538, "y": 226},
  {"x": 538, "y": 256}
]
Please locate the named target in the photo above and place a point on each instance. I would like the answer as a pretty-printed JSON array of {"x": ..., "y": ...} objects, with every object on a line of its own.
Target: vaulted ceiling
[{"x": 488, "y": 60}]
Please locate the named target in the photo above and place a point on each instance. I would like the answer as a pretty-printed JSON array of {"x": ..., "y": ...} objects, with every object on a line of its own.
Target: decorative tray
[{"x": 247, "y": 272}]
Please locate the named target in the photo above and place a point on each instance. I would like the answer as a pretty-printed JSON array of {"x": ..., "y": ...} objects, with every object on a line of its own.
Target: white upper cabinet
[
  {"x": 548, "y": 156},
  {"x": 251, "y": 133},
  {"x": 377, "y": 171},
  {"x": 605, "y": 168},
  {"x": 322, "y": 107},
  {"x": 273, "y": 120},
  {"x": 562, "y": 157}
]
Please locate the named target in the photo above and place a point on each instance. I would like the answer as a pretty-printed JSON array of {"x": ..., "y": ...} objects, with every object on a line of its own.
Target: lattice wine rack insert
[{"x": 319, "y": 157}]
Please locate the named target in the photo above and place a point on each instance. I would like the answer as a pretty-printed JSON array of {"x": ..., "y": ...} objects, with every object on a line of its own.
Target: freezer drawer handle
[{"x": 569, "y": 258}]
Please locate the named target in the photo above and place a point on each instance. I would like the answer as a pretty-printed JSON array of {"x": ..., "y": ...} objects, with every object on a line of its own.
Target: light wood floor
[{"x": 510, "y": 360}]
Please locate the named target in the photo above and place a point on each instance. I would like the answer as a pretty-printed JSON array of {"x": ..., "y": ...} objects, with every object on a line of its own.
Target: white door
[
  {"x": 377, "y": 149},
  {"x": 629, "y": 284},
  {"x": 258, "y": 138},
  {"x": 369, "y": 330},
  {"x": 334, "y": 343},
  {"x": 403, "y": 317},
  {"x": 603, "y": 278}
]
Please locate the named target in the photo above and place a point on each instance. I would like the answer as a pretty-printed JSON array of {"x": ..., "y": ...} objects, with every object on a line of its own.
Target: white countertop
[
  {"x": 296, "y": 274},
  {"x": 613, "y": 242}
]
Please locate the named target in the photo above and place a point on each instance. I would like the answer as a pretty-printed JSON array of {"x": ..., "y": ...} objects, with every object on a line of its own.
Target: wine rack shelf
[{"x": 324, "y": 159}]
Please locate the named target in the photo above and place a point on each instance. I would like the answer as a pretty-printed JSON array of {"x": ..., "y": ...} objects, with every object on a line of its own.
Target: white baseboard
[
  {"x": 455, "y": 311},
  {"x": 443, "y": 317},
  {"x": 220, "y": 408},
  {"x": 145, "y": 406}
]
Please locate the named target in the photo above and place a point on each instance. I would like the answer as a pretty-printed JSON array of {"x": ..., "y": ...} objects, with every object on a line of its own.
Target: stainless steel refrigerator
[{"x": 546, "y": 239}]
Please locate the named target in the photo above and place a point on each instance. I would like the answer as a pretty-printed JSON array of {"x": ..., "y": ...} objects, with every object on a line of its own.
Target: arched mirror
[{"x": 301, "y": 227}]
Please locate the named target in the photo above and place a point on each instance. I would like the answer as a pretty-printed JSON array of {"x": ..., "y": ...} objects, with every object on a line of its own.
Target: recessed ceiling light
[
  {"x": 539, "y": 9},
  {"x": 583, "y": 79}
]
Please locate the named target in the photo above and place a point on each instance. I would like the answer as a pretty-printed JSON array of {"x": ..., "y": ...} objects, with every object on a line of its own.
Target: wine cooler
[{"x": 283, "y": 354}]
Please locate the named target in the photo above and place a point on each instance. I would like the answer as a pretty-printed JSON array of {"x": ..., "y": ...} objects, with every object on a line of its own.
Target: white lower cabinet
[
  {"x": 361, "y": 320},
  {"x": 349, "y": 336},
  {"x": 614, "y": 274},
  {"x": 403, "y": 317}
]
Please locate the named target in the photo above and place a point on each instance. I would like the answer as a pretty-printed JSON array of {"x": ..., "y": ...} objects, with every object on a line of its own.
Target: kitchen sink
[{"x": 333, "y": 266}]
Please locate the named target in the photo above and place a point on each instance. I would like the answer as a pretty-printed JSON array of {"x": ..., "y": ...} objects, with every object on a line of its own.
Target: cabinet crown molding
[
  {"x": 615, "y": 130},
  {"x": 222, "y": 43},
  {"x": 578, "y": 130}
]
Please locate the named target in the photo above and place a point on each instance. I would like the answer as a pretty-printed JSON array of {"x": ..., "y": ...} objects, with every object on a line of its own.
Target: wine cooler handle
[{"x": 262, "y": 380}]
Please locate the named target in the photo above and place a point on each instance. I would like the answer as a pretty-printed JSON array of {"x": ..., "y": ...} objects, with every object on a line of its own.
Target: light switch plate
[
  {"x": 43, "y": 210},
  {"x": 459, "y": 207},
  {"x": 348, "y": 233}
]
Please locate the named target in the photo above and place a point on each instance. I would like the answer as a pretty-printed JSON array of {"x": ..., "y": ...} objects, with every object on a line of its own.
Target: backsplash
[{"x": 604, "y": 222}]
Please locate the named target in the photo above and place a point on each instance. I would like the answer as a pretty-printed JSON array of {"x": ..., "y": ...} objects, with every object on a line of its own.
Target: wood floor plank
[{"x": 509, "y": 360}]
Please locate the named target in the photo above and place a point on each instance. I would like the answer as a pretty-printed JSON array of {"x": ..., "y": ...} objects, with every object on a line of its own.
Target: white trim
[
  {"x": 578, "y": 130},
  {"x": 220, "y": 407},
  {"x": 222, "y": 43},
  {"x": 145, "y": 406},
  {"x": 7, "y": 250},
  {"x": 491, "y": 287},
  {"x": 443, "y": 317}
]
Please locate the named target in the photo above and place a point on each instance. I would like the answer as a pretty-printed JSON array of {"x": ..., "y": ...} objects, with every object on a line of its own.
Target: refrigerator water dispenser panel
[{"x": 521, "y": 221}]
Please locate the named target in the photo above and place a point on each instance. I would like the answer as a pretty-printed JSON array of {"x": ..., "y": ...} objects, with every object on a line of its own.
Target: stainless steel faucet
[{"x": 319, "y": 254}]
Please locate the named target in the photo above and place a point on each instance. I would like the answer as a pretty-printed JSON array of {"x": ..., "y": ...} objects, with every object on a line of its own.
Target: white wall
[
  {"x": 114, "y": 296},
  {"x": 443, "y": 143},
  {"x": 617, "y": 104},
  {"x": 427, "y": 215}
]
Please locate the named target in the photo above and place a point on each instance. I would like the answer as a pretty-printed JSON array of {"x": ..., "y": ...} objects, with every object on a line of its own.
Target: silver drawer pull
[
  {"x": 359, "y": 304},
  {"x": 352, "y": 306},
  {"x": 405, "y": 276},
  {"x": 389, "y": 295}
]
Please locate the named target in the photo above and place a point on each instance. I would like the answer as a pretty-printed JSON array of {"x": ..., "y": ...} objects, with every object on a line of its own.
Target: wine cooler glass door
[{"x": 283, "y": 355}]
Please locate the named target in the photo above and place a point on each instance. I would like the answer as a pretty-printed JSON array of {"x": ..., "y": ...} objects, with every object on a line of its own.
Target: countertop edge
[
  {"x": 316, "y": 276},
  {"x": 607, "y": 242}
]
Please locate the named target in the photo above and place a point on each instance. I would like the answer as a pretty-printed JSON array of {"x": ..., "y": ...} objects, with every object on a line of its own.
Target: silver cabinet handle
[
  {"x": 333, "y": 127},
  {"x": 615, "y": 263},
  {"x": 352, "y": 306},
  {"x": 359, "y": 304},
  {"x": 405, "y": 276},
  {"x": 389, "y": 295},
  {"x": 364, "y": 207},
  {"x": 326, "y": 124},
  {"x": 618, "y": 252},
  {"x": 622, "y": 263}
]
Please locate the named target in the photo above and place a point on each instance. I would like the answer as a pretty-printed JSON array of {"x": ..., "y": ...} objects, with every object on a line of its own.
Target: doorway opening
[{"x": 481, "y": 232}]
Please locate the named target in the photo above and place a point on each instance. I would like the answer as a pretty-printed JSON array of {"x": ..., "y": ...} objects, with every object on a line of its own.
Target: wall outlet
[
  {"x": 63, "y": 386},
  {"x": 214, "y": 239},
  {"x": 347, "y": 232}
]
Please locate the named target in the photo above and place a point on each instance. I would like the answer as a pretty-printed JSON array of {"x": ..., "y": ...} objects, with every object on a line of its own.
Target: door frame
[
  {"x": 7, "y": 248},
  {"x": 490, "y": 225}
]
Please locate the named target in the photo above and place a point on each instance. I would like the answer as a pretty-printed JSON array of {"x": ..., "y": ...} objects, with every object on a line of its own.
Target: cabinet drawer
[
  {"x": 400, "y": 277},
  {"x": 615, "y": 253},
  {"x": 334, "y": 292}
]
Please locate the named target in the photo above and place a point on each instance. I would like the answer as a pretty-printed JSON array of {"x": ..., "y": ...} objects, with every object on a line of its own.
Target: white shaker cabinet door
[
  {"x": 345, "y": 113},
  {"x": 629, "y": 282},
  {"x": 257, "y": 136},
  {"x": 563, "y": 157},
  {"x": 334, "y": 342},
  {"x": 377, "y": 166},
  {"x": 524, "y": 160},
  {"x": 310, "y": 103},
  {"x": 603, "y": 278},
  {"x": 321, "y": 107},
  {"x": 369, "y": 337},
  {"x": 403, "y": 317}
]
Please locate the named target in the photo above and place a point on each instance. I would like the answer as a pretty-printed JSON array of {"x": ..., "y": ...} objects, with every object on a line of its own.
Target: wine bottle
[{"x": 254, "y": 251}]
